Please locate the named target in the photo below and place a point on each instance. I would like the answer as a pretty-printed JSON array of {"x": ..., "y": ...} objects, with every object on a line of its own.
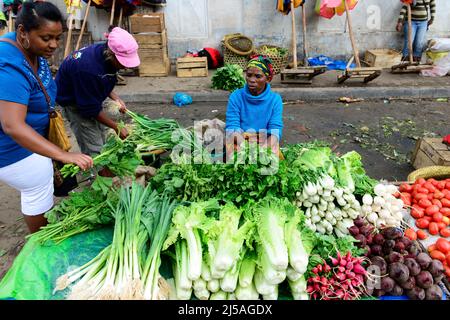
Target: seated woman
[{"x": 255, "y": 108}]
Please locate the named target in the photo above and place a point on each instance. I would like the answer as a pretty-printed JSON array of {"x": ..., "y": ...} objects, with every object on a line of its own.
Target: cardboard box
[{"x": 430, "y": 152}]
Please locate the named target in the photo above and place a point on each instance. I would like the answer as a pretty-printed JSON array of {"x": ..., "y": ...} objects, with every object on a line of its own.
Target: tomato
[
  {"x": 422, "y": 223},
  {"x": 441, "y": 185},
  {"x": 429, "y": 186},
  {"x": 416, "y": 214},
  {"x": 433, "y": 228},
  {"x": 430, "y": 196},
  {"x": 437, "y": 217},
  {"x": 447, "y": 185},
  {"x": 432, "y": 248},
  {"x": 410, "y": 234},
  {"x": 396, "y": 194},
  {"x": 447, "y": 258},
  {"x": 445, "y": 232},
  {"x": 445, "y": 202},
  {"x": 441, "y": 225},
  {"x": 446, "y": 220},
  {"x": 421, "y": 234},
  {"x": 443, "y": 245},
  {"x": 404, "y": 187},
  {"x": 431, "y": 210},
  {"x": 425, "y": 203},
  {"x": 433, "y": 181},
  {"x": 423, "y": 190},
  {"x": 437, "y": 255},
  {"x": 445, "y": 212},
  {"x": 420, "y": 196},
  {"x": 437, "y": 202},
  {"x": 446, "y": 191},
  {"x": 439, "y": 195},
  {"x": 406, "y": 198},
  {"x": 421, "y": 181},
  {"x": 428, "y": 218}
]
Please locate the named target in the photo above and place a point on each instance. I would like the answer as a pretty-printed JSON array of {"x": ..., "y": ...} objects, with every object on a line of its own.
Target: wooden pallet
[
  {"x": 410, "y": 67},
  {"x": 301, "y": 75},
  {"x": 430, "y": 152},
  {"x": 368, "y": 74},
  {"x": 190, "y": 67}
]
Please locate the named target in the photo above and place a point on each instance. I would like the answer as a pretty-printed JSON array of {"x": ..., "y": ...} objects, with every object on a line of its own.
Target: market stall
[{"x": 313, "y": 226}]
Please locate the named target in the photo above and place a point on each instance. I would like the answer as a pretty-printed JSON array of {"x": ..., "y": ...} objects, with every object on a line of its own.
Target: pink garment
[{"x": 124, "y": 47}]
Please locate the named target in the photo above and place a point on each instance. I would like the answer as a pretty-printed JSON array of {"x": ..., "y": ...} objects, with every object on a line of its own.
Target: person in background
[
  {"x": 423, "y": 13},
  {"x": 25, "y": 153},
  {"x": 86, "y": 78},
  {"x": 255, "y": 108}
]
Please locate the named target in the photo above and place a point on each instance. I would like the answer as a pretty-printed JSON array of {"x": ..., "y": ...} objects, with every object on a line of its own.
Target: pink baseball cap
[{"x": 124, "y": 47}]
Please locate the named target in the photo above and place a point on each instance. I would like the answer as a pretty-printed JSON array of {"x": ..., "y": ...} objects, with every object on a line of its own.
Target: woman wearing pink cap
[{"x": 86, "y": 78}]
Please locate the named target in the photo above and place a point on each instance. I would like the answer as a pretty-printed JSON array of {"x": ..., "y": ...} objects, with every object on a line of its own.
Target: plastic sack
[
  {"x": 35, "y": 269},
  {"x": 440, "y": 68},
  {"x": 181, "y": 99},
  {"x": 439, "y": 44},
  {"x": 329, "y": 62}
]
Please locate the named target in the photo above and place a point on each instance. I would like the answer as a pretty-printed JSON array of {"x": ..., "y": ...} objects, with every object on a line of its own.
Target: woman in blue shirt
[
  {"x": 256, "y": 108},
  {"x": 25, "y": 153}
]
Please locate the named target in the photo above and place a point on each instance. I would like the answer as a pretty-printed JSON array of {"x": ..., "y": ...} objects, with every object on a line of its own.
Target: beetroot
[
  {"x": 406, "y": 241},
  {"x": 433, "y": 293},
  {"x": 424, "y": 279},
  {"x": 388, "y": 245},
  {"x": 413, "y": 266},
  {"x": 367, "y": 251},
  {"x": 369, "y": 239},
  {"x": 354, "y": 230},
  {"x": 378, "y": 239},
  {"x": 397, "y": 291},
  {"x": 387, "y": 284},
  {"x": 395, "y": 257},
  {"x": 362, "y": 240},
  {"x": 436, "y": 268},
  {"x": 359, "y": 222},
  {"x": 416, "y": 293},
  {"x": 414, "y": 249},
  {"x": 376, "y": 250},
  {"x": 424, "y": 260},
  {"x": 409, "y": 284},
  {"x": 392, "y": 233},
  {"x": 380, "y": 262},
  {"x": 366, "y": 230},
  {"x": 399, "y": 272},
  {"x": 399, "y": 246}
]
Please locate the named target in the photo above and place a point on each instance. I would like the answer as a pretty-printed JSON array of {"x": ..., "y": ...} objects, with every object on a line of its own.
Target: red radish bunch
[
  {"x": 343, "y": 280},
  {"x": 429, "y": 201}
]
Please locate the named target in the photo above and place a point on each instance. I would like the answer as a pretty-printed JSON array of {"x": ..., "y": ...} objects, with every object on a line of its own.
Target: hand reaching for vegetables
[
  {"x": 83, "y": 161},
  {"x": 123, "y": 133},
  {"x": 122, "y": 105}
]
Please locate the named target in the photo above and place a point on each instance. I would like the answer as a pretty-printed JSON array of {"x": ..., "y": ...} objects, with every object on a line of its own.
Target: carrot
[
  {"x": 437, "y": 255},
  {"x": 433, "y": 228},
  {"x": 410, "y": 234},
  {"x": 421, "y": 234}
]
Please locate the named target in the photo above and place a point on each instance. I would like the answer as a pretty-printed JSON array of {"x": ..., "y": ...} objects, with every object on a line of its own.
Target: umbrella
[{"x": 329, "y": 8}]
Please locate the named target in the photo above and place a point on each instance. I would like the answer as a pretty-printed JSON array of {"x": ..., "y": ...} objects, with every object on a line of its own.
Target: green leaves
[{"x": 230, "y": 77}]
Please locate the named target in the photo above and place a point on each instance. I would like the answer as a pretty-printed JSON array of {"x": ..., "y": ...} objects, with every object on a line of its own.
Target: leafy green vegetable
[{"x": 230, "y": 77}]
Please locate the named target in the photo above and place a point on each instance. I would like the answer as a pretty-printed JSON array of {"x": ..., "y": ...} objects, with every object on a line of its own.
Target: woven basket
[
  {"x": 229, "y": 57},
  {"x": 279, "y": 61},
  {"x": 239, "y": 44}
]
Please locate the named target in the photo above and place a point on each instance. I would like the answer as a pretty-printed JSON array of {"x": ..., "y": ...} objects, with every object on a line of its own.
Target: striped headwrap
[{"x": 263, "y": 63}]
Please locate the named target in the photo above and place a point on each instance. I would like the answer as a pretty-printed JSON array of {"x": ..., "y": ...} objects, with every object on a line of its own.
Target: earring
[{"x": 28, "y": 45}]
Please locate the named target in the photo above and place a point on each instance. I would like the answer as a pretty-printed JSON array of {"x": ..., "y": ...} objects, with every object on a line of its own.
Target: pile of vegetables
[
  {"x": 224, "y": 251},
  {"x": 403, "y": 268},
  {"x": 429, "y": 201},
  {"x": 383, "y": 209},
  {"x": 230, "y": 77},
  {"x": 129, "y": 267}
]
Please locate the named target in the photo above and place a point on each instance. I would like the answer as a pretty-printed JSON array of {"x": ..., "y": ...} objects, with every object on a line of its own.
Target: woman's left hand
[{"x": 122, "y": 107}]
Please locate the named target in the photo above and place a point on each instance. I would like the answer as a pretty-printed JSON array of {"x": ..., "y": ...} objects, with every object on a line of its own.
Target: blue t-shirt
[
  {"x": 85, "y": 80},
  {"x": 18, "y": 84},
  {"x": 249, "y": 113}
]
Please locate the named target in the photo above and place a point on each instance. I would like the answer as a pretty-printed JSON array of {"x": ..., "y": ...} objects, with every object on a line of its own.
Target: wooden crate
[
  {"x": 382, "y": 58},
  {"x": 151, "y": 22},
  {"x": 154, "y": 67},
  {"x": 151, "y": 40},
  {"x": 190, "y": 67},
  {"x": 430, "y": 152}
]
